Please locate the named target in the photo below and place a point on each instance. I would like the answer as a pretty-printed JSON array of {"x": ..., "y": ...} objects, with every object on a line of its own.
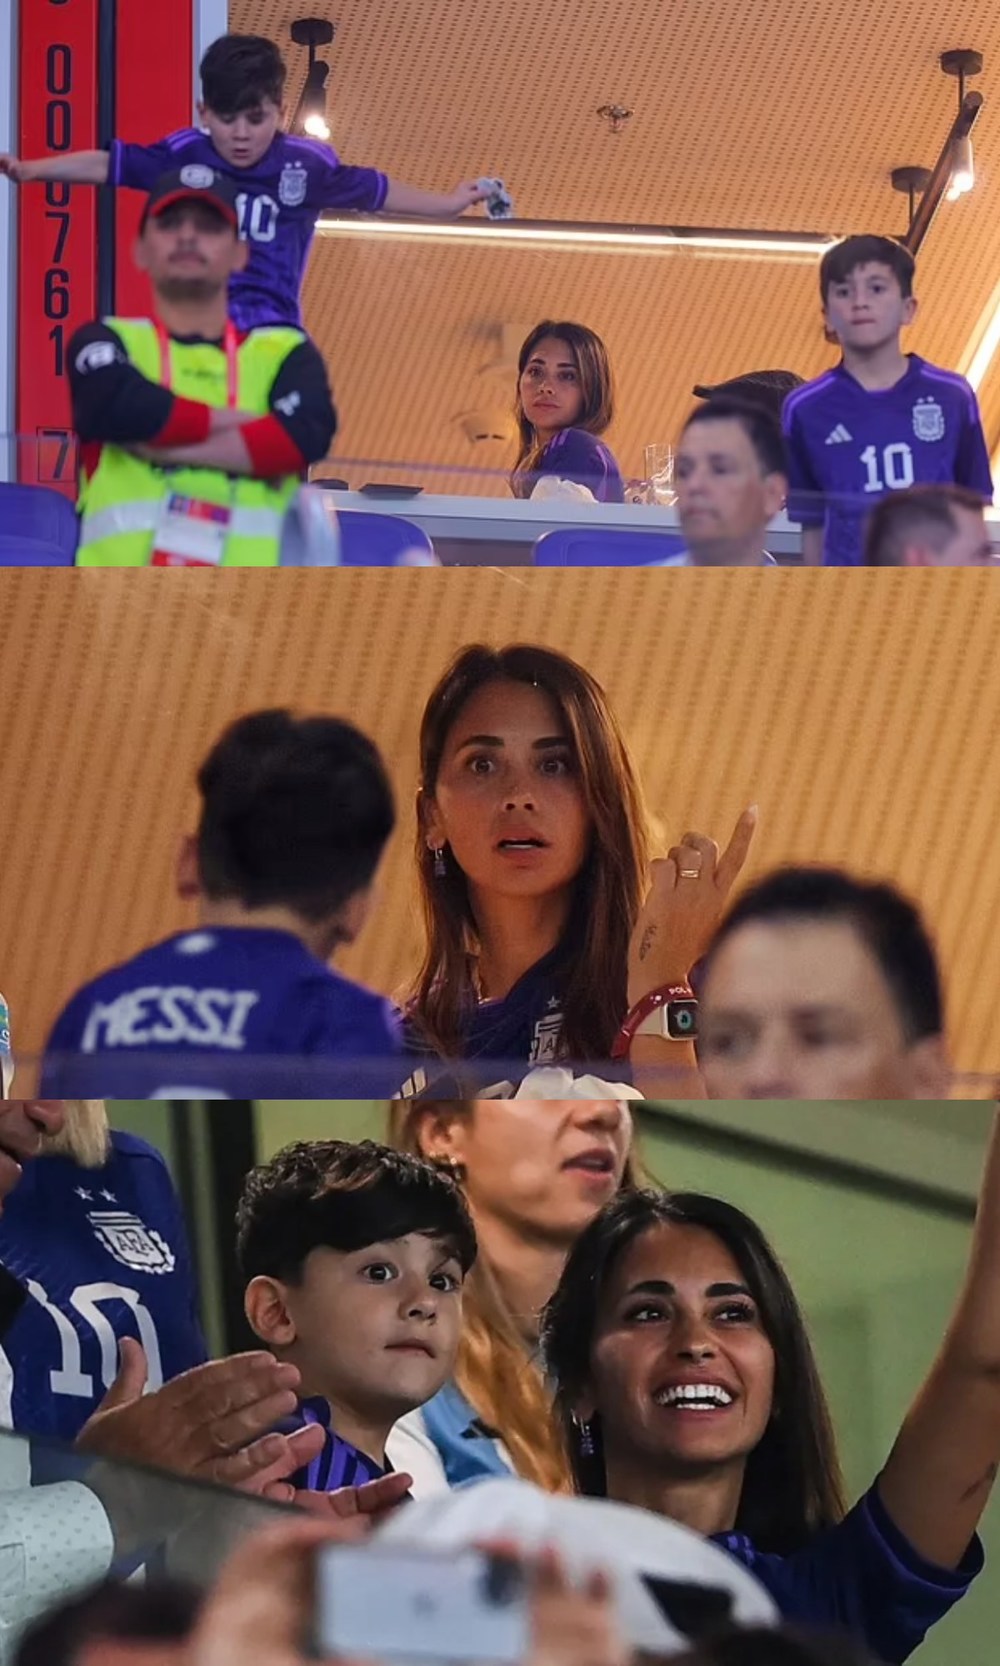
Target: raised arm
[
  {"x": 80, "y": 167},
  {"x": 686, "y": 900},
  {"x": 409, "y": 199},
  {"x": 940, "y": 1474}
]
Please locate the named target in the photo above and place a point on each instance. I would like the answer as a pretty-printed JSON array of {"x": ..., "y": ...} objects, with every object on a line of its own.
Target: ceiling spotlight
[
  {"x": 963, "y": 172},
  {"x": 961, "y": 64},
  {"x": 310, "y": 116},
  {"x": 616, "y": 116}
]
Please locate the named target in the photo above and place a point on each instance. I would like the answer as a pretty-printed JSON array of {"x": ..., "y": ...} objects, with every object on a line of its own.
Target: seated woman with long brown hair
[
  {"x": 533, "y": 862},
  {"x": 564, "y": 404}
]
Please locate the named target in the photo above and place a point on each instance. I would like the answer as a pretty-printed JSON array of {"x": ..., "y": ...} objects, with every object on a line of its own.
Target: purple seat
[
  {"x": 38, "y": 527},
  {"x": 381, "y": 540},
  {"x": 591, "y": 546}
]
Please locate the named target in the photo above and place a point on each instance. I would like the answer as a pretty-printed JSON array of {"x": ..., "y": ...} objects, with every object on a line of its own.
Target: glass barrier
[
  {"x": 68, "y": 1520},
  {"x": 144, "y": 1073},
  {"x": 379, "y": 511}
]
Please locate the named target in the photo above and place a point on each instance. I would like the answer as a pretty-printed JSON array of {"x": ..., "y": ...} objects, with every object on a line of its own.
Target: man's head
[
  {"x": 866, "y": 285},
  {"x": 928, "y": 526},
  {"x": 821, "y": 986},
  {"x": 243, "y": 89},
  {"x": 189, "y": 242},
  {"x": 731, "y": 478},
  {"x": 355, "y": 1257},
  {"x": 112, "y": 1624},
  {"x": 296, "y": 812},
  {"x": 24, "y": 1125}
]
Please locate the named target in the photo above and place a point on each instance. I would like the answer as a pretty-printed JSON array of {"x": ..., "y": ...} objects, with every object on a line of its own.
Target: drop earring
[
  {"x": 439, "y": 863},
  {"x": 586, "y": 1436}
]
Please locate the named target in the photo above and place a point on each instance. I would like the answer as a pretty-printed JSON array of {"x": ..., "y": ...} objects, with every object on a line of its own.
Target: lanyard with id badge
[{"x": 190, "y": 532}]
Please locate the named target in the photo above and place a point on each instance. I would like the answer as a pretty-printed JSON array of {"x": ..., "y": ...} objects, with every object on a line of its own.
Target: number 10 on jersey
[{"x": 896, "y": 471}]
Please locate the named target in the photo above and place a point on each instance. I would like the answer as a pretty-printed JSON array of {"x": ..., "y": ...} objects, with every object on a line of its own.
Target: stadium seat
[
  {"x": 38, "y": 527},
  {"x": 382, "y": 541},
  {"x": 590, "y": 546}
]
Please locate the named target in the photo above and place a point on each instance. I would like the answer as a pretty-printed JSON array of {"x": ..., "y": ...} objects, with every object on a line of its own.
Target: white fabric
[
  {"x": 54, "y": 1540},
  {"x": 554, "y": 1082},
  {"x": 551, "y": 489},
  {"x": 143, "y": 516},
  {"x": 411, "y": 1448},
  {"x": 631, "y": 1545}
]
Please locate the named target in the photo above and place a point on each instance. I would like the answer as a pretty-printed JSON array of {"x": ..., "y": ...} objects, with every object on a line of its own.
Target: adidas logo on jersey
[{"x": 838, "y": 435}]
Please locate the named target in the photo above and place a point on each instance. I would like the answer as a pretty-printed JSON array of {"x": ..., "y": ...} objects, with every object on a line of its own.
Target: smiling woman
[{"x": 686, "y": 1383}]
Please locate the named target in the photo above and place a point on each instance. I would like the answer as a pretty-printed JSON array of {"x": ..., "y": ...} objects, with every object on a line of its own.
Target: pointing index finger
[{"x": 733, "y": 858}]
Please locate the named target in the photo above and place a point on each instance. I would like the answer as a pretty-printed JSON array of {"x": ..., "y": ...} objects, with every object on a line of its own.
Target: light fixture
[
  {"x": 956, "y": 152},
  {"x": 963, "y": 171},
  {"x": 310, "y": 115},
  {"x": 913, "y": 182},
  {"x": 961, "y": 63},
  {"x": 597, "y": 239},
  {"x": 616, "y": 116}
]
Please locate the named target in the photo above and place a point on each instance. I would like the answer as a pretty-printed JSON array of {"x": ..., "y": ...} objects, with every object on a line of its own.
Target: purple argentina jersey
[
  {"x": 103, "y": 1254},
  {"x": 339, "y": 1464},
  {"x": 848, "y": 448},
  {"x": 279, "y": 199},
  {"x": 573, "y": 454},
  {"x": 861, "y": 1576},
  {"x": 502, "y": 1039},
  {"x": 227, "y": 1012}
]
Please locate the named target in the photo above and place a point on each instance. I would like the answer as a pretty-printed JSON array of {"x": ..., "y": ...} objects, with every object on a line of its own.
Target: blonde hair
[
  {"x": 502, "y": 1384},
  {"x": 85, "y": 1137}
]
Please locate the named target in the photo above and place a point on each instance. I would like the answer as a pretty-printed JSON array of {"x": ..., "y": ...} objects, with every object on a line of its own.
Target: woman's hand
[{"x": 686, "y": 899}]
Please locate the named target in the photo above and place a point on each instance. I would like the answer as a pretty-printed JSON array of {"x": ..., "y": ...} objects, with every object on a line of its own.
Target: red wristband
[{"x": 641, "y": 1011}]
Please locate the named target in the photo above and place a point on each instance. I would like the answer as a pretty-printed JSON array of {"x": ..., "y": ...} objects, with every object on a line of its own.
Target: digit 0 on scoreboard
[{"x": 56, "y": 255}]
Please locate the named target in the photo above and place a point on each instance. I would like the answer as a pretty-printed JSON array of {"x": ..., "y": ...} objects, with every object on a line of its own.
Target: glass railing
[
  {"x": 425, "y": 514},
  {"x": 145, "y": 1073},
  {"x": 68, "y": 1520}
]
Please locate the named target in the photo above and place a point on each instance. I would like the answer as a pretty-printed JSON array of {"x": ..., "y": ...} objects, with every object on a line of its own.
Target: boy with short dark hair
[
  {"x": 355, "y": 1257},
  {"x": 882, "y": 420},
  {"x": 296, "y": 813},
  {"x": 283, "y": 181}
]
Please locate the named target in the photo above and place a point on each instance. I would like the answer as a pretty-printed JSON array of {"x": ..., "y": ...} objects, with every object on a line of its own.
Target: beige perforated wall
[
  {"x": 859, "y": 709},
  {"x": 765, "y": 115}
]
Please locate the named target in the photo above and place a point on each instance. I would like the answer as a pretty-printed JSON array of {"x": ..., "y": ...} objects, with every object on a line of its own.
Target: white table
[{"x": 498, "y": 532}]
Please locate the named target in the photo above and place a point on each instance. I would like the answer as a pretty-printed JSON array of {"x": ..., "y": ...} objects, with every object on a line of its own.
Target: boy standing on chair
[{"x": 882, "y": 420}]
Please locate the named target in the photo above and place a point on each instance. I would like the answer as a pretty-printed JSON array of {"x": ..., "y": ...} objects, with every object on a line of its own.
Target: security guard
[{"x": 194, "y": 436}]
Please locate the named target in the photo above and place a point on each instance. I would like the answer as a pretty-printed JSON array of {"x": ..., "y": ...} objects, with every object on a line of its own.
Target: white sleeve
[
  {"x": 411, "y": 1448},
  {"x": 54, "y": 1541}
]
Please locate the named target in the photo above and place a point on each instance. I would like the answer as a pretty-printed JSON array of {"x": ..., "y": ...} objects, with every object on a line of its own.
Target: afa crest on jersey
[
  {"x": 928, "y": 420},
  {"x": 293, "y": 184},
  {"x": 547, "y": 1034},
  {"x": 132, "y": 1243}
]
